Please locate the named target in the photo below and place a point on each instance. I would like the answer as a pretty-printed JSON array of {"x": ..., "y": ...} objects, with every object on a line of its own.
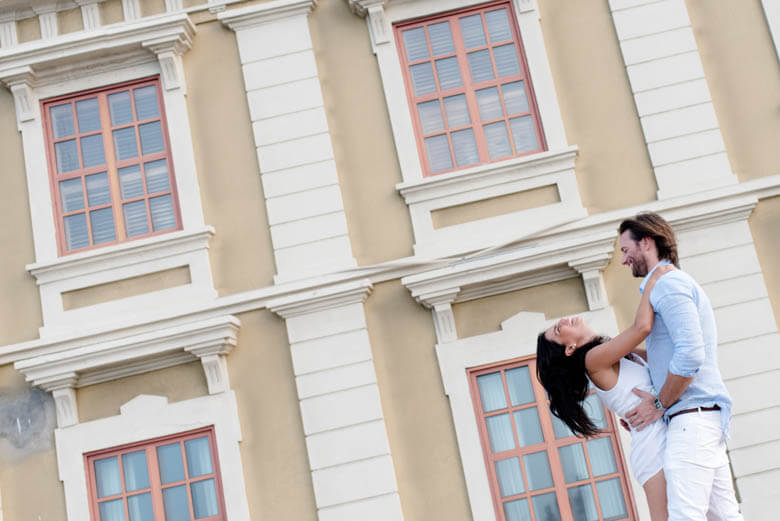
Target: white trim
[
  {"x": 517, "y": 338},
  {"x": 772, "y": 13},
  {"x": 148, "y": 417}
]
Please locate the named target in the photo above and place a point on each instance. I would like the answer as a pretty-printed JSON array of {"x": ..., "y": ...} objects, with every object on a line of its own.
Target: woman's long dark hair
[{"x": 566, "y": 382}]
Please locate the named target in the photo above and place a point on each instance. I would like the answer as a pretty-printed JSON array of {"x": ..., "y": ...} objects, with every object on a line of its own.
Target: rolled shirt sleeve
[{"x": 679, "y": 311}]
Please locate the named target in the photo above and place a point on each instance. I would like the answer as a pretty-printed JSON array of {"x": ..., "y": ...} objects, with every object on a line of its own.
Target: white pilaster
[
  {"x": 172, "y": 6},
  {"x": 671, "y": 95},
  {"x": 297, "y": 167},
  {"x": 131, "y": 9},
  {"x": 349, "y": 453},
  {"x": 47, "y": 18},
  {"x": 90, "y": 13},
  {"x": 8, "y": 37}
]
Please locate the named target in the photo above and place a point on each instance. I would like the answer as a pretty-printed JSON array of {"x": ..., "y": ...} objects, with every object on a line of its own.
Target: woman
[{"x": 569, "y": 355}]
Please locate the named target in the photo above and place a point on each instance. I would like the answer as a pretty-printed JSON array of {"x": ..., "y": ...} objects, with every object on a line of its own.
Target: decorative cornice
[
  {"x": 251, "y": 16},
  {"x": 361, "y": 7},
  {"x": 322, "y": 298}
]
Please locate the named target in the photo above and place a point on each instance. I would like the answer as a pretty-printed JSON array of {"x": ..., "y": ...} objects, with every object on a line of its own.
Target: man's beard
[{"x": 639, "y": 268}]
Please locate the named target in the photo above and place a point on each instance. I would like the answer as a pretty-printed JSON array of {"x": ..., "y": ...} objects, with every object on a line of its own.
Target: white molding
[
  {"x": 516, "y": 339},
  {"x": 90, "y": 14},
  {"x": 8, "y": 36},
  {"x": 321, "y": 299},
  {"x": 251, "y": 16},
  {"x": 772, "y": 14},
  {"x": 148, "y": 417},
  {"x": 48, "y": 23},
  {"x": 172, "y": 6},
  {"x": 131, "y": 9}
]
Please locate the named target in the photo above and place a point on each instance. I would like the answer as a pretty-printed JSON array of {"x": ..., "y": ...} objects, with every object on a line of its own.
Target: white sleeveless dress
[{"x": 647, "y": 445}]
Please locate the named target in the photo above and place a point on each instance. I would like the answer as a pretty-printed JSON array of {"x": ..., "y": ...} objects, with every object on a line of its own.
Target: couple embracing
[{"x": 672, "y": 395}]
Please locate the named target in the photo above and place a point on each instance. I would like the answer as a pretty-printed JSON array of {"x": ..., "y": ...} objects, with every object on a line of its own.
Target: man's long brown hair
[{"x": 649, "y": 224}]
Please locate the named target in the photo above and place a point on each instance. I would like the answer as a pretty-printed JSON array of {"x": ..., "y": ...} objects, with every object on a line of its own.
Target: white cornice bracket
[
  {"x": 169, "y": 51},
  {"x": 443, "y": 317},
  {"x": 21, "y": 83}
]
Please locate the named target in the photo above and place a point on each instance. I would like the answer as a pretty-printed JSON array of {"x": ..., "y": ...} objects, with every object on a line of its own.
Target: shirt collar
[{"x": 647, "y": 277}]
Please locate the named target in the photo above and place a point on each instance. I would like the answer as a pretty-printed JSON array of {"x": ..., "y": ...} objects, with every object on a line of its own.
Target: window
[
  {"x": 535, "y": 463},
  {"x": 110, "y": 165},
  {"x": 175, "y": 478},
  {"x": 468, "y": 87}
]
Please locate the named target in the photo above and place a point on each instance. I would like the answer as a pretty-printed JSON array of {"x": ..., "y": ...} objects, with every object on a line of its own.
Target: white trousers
[{"x": 698, "y": 478}]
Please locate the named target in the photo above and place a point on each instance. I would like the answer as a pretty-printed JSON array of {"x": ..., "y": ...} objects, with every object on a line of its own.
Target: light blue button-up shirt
[{"x": 684, "y": 341}]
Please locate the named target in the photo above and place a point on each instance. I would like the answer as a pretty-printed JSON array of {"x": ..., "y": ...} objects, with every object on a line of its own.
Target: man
[{"x": 692, "y": 398}]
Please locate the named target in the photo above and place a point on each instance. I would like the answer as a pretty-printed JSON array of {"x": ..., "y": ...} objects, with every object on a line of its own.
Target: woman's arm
[{"x": 610, "y": 352}]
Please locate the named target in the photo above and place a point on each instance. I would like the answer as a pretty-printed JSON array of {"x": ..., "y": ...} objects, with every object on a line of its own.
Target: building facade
[{"x": 287, "y": 260}]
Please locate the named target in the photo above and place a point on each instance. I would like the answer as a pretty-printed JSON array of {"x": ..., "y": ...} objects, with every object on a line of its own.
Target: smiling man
[{"x": 682, "y": 357}]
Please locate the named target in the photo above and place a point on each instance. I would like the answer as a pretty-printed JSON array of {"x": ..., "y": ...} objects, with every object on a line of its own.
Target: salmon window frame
[
  {"x": 519, "y": 494},
  {"x": 462, "y": 117},
  {"x": 110, "y": 167},
  {"x": 157, "y": 483}
]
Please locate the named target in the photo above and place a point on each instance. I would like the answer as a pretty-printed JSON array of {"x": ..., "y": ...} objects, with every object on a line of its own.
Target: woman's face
[{"x": 570, "y": 332}]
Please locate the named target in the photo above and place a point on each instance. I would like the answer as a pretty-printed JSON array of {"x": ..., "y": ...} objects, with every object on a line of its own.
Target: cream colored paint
[
  {"x": 416, "y": 410},
  {"x": 111, "y": 12},
  {"x": 765, "y": 228},
  {"x": 377, "y": 217},
  {"x": 152, "y": 7},
  {"x": 20, "y": 316},
  {"x": 556, "y": 299},
  {"x": 273, "y": 451},
  {"x": 126, "y": 288},
  {"x": 241, "y": 252},
  {"x": 743, "y": 74},
  {"x": 613, "y": 167},
  {"x": 495, "y": 206},
  {"x": 28, "y": 30},
  {"x": 69, "y": 21}
]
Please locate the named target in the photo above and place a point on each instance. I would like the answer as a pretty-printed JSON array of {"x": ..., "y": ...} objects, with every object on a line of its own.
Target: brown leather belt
[{"x": 695, "y": 409}]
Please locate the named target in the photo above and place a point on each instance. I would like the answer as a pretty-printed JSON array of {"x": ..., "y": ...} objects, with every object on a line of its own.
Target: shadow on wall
[{"x": 27, "y": 423}]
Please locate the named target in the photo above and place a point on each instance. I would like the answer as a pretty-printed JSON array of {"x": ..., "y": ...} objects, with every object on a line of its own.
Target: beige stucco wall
[
  {"x": 28, "y": 29},
  {"x": 377, "y": 217},
  {"x": 152, "y": 7},
  {"x": 765, "y": 227},
  {"x": 228, "y": 173},
  {"x": 743, "y": 75},
  {"x": 111, "y": 12},
  {"x": 417, "y": 412},
  {"x": 69, "y": 21}
]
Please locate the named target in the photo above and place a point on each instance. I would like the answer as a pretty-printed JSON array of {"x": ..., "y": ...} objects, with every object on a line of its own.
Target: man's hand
[{"x": 645, "y": 413}]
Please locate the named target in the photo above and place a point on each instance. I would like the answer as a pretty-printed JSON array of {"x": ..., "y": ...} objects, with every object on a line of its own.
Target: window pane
[
  {"x": 457, "y": 111},
  {"x": 524, "y": 134},
  {"x": 515, "y": 99},
  {"x": 489, "y": 104},
  {"x": 169, "y": 460},
  {"x": 76, "y": 235},
  {"x": 204, "y": 498},
  {"x": 602, "y": 459},
  {"x": 120, "y": 108},
  {"x": 157, "y": 178},
  {"x": 198, "y": 457},
  {"x": 499, "y": 429},
  {"x": 130, "y": 184},
  {"x": 506, "y": 60},
  {"x": 140, "y": 507},
  {"x": 537, "y": 467},
  {"x": 71, "y": 195},
  {"x": 415, "y": 44},
  {"x": 177, "y": 506},
  {"x": 449, "y": 73},
  {"x": 510, "y": 477},
  {"x": 561, "y": 429},
  {"x": 102, "y": 222},
  {"x": 136, "y": 224},
  {"x": 88, "y": 115},
  {"x": 583, "y": 507},
  {"x": 441, "y": 38},
  {"x": 112, "y": 510},
  {"x": 517, "y": 510},
  {"x": 438, "y": 149},
  {"x": 146, "y": 103},
  {"x": 107, "y": 477},
  {"x": 498, "y": 25},
  {"x": 162, "y": 213},
  {"x": 573, "y": 463},
  {"x": 595, "y": 410},
  {"x": 519, "y": 382},
  {"x": 136, "y": 474},
  {"x": 491, "y": 392},
  {"x": 92, "y": 151},
  {"x": 546, "y": 507},
  {"x": 62, "y": 121},
  {"x": 480, "y": 66},
  {"x": 67, "y": 156},
  {"x": 497, "y": 140},
  {"x": 422, "y": 78},
  {"x": 529, "y": 431},
  {"x": 430, "y": 116},
  {"x": 611, "y": 499},
  {"x": 98, "y": 192},
  {"x": 473, "y": 33},
  {"x": 124, "y": 143},
  {"x": 151, "y": 138},
  {"x": 465, "y": 147}
]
